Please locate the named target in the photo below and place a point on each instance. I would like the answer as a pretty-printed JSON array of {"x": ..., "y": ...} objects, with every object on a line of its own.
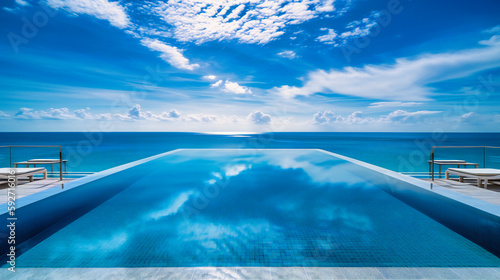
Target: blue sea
[{"x": 402, "y": 152}]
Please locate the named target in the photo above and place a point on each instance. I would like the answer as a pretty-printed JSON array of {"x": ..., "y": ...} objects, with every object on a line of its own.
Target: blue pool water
[
  {"x": 402, "y": 152},
  {"x": 248, "y": 208}
]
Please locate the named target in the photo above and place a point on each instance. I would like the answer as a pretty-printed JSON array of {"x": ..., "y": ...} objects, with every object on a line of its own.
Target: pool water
[{"x": 250, "y": 208}]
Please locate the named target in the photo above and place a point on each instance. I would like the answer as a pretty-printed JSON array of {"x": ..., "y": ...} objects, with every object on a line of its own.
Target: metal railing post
[
  {"x": 432, "y": 163},
  {"x": 60, "y": 164}
]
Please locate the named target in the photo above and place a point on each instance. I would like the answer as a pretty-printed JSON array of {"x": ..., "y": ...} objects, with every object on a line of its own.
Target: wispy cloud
[
  {"x": 398, "y": 116},
  {"x": 170, "y": 54},
  {"x": 4, "y": 115},
  {"x": 54, "y": 114},
  {"x": 101, "y": 9},
  {"x": 22, "y": 2},
  {"x": 495, "y": 30},
  {"x": 288, "y": 54},
  {"x": 353, "y": 30},
  {"x": 405, "y": 80},
  {"x": 329, "y": 38},
  {"x": 404, "y": 116},
  {"x": 394, "y": 104}
]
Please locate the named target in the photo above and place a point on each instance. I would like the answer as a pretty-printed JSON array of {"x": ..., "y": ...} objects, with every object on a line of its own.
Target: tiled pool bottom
[{"x": 275, "y": 209}]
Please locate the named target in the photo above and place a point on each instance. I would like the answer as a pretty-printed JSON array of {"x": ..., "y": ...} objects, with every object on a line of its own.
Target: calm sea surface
[{"x": 403, "y": 152}]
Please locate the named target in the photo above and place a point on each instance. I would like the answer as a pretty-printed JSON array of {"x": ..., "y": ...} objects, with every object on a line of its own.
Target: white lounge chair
[
  {"x": 23, "y": 172},
  {"x": 478, "y": 173}
]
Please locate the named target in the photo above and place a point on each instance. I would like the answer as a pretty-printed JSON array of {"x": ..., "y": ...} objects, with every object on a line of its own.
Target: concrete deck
[
  {"x": 288, "y": 273},
  {"x": 469, "y": 188},
  {"x": 26, "y": 188}
]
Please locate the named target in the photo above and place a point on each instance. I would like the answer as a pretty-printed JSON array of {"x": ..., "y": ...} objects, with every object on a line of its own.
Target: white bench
[{"x": 477, "y": 173}]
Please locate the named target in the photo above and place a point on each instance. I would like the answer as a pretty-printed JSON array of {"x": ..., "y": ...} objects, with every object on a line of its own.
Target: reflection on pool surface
[{"x": 251, "y": 208}]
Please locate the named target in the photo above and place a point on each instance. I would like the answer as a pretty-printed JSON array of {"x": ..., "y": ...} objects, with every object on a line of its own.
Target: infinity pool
[{"x": 248, "y": 208}]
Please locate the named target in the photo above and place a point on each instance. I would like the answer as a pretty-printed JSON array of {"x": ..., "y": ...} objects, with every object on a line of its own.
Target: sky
[{"x": 250, "y": 65}]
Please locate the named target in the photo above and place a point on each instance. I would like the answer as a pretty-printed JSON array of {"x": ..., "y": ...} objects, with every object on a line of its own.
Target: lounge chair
[
  {"x": 478, "y": 173},
  {"x": 23, "y": 172}
]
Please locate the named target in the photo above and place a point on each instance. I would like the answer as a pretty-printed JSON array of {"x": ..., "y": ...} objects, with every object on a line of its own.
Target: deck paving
[{"x": 469, "y": 188}]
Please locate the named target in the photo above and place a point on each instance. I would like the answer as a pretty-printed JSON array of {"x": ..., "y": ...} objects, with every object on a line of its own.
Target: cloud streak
[
  {"x": 170, "y": 54},
  {"x": 404, "y": 80},
  {"x": 101, "y": 9},
  {"x": 398, "y": 116}
]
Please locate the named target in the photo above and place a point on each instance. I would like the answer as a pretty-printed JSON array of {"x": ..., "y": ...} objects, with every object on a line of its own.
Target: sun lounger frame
[
  {"x": 39, "y": 146},
  {"x": 456, "y": 147},
  {"x": 480, "y": 178}
]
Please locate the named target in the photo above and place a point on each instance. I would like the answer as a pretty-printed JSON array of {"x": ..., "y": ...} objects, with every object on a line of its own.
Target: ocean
[{"x": 401, "y": 152}]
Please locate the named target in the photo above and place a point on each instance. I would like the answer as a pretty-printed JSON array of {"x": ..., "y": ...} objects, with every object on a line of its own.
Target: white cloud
[
  {"x": 328, "y": 38},
  {"x": 209, "y": 77},
  {"x": 494, "y": 40},
  {"x": 325, "y": 117},
  {"x": 249, "y": 21},
  {"x": 394, "y": 104},
  {"x": 101, "y": 9},
  {"x": 169, "y": 54},
  {"x": 83, "y": 113},
  {"x": 494, "y": 30},
  {"x": 201, "y": 118},
  {"x": 259, "y": 118},
  {"x": 234, "y": 87},
  {"x": 327, "y": 6},
  {"x": 404, "y": 116},
  {"x": 216, "y": 84},
  {"x": 172, "y": 114},
  {"x": 360, "y": 28},
  {"x": 22, "y": 2},
  {"x": 4, "y": 115},
  {"x": 288, "y": 54},
  {"x": 405, "y": 80},
  {"x": 136, "y": 113},
  {"x": 353, "y": 30},
  {"x": 398, "y": 116},
  {"x": 468, "y": 116},
  {"x": 330, "y": 117},
  {"x": 231, "y": 87},
  {"x": 51, "y": 114}
]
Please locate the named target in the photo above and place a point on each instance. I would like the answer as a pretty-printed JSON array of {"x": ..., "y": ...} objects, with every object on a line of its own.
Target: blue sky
[{"x": 249, "y": 65}]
